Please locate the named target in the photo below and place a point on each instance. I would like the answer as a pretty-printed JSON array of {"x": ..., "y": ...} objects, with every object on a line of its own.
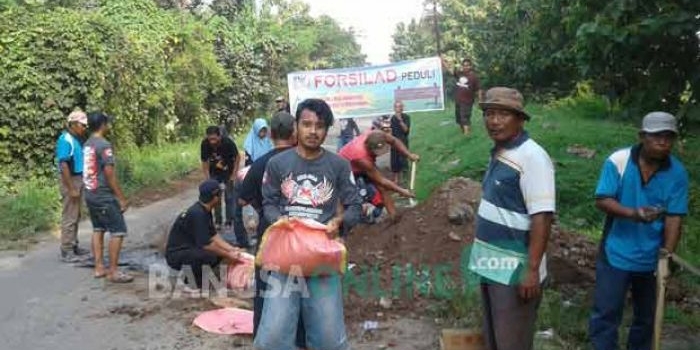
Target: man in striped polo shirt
[{"x": 513, "y": 224}]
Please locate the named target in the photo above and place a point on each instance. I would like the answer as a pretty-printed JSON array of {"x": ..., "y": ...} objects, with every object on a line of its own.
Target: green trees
[
  {"x": 642, "y": 55},
  {"x": 162, "y": 68}
]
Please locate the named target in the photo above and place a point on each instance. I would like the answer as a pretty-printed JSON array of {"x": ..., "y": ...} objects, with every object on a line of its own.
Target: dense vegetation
[
  {"x": 161, "y": 68},
  {"x": 164, "y": 69},
  {"x": 640, "y": 55}
]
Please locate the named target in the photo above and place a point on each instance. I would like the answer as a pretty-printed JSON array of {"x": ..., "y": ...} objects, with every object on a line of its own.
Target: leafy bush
[
  {"x": 145, "y": 66},
  {"x": 163, "y": 72}
]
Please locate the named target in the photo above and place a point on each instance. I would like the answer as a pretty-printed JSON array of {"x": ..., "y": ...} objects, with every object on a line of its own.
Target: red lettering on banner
[
  {"x": 380, "y": 78},
  {"x": 356, "y": 78},
  {"x": 391, "y": 76},
  {"x": 329, "y": 80},
  {"x": 352, "y": 81}
]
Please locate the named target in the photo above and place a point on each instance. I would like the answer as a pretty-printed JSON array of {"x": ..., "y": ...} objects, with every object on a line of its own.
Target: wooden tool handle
[
  {"x": 661, "y": 273},
  {"x": 413, "y": 176}
]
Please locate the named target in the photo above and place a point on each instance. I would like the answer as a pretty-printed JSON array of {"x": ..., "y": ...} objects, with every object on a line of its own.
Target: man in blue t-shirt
[
  {"x": 69, "y": 157},
  {"x": 644, "y": 192}
]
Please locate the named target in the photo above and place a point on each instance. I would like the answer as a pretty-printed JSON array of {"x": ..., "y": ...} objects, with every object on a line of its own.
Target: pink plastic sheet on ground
[{"x": 227, "y": 321}]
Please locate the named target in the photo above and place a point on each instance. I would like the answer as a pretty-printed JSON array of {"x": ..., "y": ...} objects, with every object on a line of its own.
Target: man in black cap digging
[{"x": 193, "y": 240}]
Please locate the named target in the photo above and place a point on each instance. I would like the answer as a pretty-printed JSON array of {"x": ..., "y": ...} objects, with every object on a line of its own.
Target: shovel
[{"x": 412, "y": 202}]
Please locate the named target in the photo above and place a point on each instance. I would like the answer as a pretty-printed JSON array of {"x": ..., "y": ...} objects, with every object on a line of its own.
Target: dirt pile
[{"x": 429, "y": 239}]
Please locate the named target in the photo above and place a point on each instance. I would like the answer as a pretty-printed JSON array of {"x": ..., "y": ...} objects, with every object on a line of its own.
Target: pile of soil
[{"x": 424, "y": 236}]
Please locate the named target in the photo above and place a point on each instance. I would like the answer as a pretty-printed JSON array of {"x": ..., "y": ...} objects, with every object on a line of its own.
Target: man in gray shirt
[
  {"x": 105, "y": 200},
  {"x": 308, "y": 182}
]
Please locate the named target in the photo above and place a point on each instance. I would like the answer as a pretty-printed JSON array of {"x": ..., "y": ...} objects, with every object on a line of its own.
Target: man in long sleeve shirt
[{"x": 308, "y": 182}]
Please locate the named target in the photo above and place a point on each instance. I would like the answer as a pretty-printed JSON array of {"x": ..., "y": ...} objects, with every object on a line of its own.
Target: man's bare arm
[
  {"x": 672, "y": 232},
  {"x": 402, "y": 124},
  {"x": 205, "y": 169},
  {"x": 221, "y": 248},
  {"x": 111, "y": 177},
  {"x": 378, "y": 179},
  {"x": 236, "y": 166},
  {"x": 541, "y": 225},
  {"x": 400, "y": 147},
  {"x": 612, "y": 207}
]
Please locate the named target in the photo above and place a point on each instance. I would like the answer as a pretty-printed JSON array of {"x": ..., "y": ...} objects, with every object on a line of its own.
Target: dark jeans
[
  {"x": 229, "y": 200},
  {"x": 611, "y": 289},
  {"x": 238, "y": 226},
  {"x": 261, "y": 286},
  {"x": 343, "y": 140},
  {"x": 196, "y": 259}
]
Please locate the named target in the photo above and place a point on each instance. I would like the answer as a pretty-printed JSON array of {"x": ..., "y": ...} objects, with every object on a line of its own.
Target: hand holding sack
[
  {"x": 240, "y": 275},
  {"x": 301, "y": 247}
]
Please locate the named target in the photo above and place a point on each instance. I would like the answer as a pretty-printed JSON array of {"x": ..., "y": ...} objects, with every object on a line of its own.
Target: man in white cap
[
  {"x": 643, "y": 190},
  {"x": 69, "y": 157}
]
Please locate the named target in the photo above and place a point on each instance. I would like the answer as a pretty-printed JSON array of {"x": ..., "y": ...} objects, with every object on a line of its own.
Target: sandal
[{"x": 120, "y": 277}]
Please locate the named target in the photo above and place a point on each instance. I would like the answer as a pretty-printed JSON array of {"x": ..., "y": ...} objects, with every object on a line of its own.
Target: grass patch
[
  {"x": 153, "y": 166},
  {"x": 33, "y": 206},
  {"x": 36, "y": 206},
  {"x": 446, "y": 153}
]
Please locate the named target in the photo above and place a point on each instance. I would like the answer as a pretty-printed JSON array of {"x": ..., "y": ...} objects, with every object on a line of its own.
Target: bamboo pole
[
  {"x": 661, "y": 274},
  {"x": 412, "y": 184}
]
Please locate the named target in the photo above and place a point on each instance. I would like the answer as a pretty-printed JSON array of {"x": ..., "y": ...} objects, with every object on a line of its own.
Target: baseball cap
[
  {"x": 97, "y": 119},
  {"x": 208, "y": 189},
  {"x": 504, "y": 98},
  {"x": 78, "y": 116},
  {"x": 279, "y": 99},
  {"x": 282, "y": 123},
  {"x": 659, "y": 121}
]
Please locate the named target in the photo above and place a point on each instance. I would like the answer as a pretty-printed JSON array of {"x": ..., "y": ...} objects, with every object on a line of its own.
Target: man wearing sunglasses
[{"x": 643, "y": 190}]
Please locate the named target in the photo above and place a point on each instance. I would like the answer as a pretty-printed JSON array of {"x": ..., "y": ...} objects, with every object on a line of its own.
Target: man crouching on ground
[
  {"x": 193, "y": 240},
  {"x": 308, "y": 182}
]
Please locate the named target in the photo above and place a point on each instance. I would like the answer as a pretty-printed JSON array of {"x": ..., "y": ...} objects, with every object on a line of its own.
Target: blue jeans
[
  {"x": 320, "y": 302},
  {"x": 608, "y": 303},
  {"x": 342, "y": 141}
]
